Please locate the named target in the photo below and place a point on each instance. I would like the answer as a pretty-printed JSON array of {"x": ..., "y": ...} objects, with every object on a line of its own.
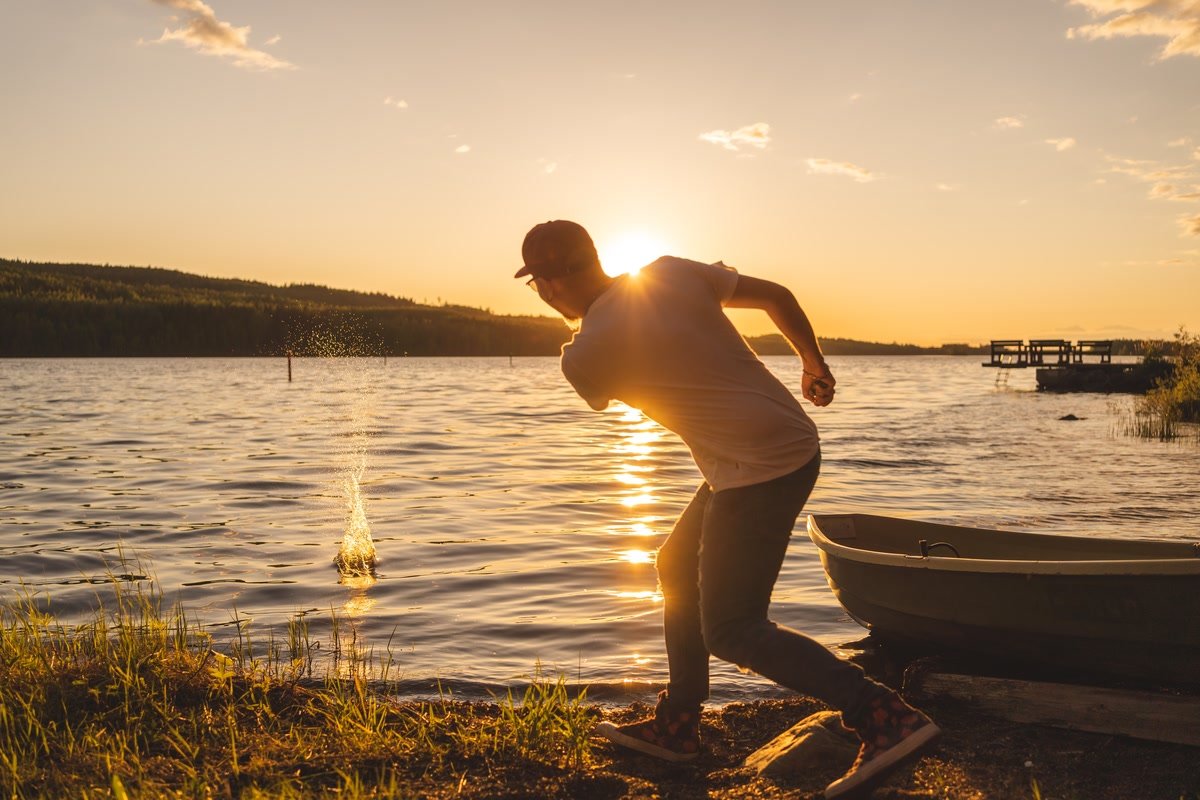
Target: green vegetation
[
  {"x": 775, "y": 345},
  {"x": 1175, "y": 400},
  {"x": 136, "y": 703},
  {"x": 86, "y": 310}
]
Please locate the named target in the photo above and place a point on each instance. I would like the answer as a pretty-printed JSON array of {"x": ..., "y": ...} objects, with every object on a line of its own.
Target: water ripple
[{"x": 513, "y": 525}]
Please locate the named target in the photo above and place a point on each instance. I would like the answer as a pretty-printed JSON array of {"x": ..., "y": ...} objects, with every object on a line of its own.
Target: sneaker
[
  {"x": 671, "y": 734},
  {"x": 891, "y": 731}
]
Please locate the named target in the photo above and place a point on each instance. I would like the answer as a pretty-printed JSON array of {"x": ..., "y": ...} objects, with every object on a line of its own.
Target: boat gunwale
[{"x": 1133, "y": 566}]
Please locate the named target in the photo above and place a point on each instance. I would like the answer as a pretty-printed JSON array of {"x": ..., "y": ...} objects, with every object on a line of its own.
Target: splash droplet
[{"x": 356, "y": 558}]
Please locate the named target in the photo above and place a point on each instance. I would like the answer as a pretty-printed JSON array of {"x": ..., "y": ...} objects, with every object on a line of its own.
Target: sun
[{"x": 628, "y": 252}]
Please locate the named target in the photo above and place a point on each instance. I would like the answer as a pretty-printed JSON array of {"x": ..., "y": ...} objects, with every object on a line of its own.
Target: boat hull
[{"x": 1144, "y": 624}]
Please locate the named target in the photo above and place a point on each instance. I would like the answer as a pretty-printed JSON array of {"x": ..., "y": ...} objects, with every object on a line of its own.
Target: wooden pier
[
  {"x": 1082, "y": 366},
  {"x": 1016, "y": 354}
]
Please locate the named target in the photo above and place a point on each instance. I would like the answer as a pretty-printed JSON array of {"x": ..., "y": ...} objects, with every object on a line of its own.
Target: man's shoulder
[
  {"x": 671, "y": 264},
  {"x": 690, "y": 277}
]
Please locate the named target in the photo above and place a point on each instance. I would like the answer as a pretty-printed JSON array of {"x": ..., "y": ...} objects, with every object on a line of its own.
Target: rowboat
[{"x": 1128, "y": 607}]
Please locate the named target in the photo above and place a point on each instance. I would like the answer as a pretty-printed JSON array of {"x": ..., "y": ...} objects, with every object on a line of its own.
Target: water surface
[{"x": 513, "y": 524}]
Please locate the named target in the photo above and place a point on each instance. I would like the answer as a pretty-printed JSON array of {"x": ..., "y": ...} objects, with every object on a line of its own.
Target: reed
[
  {"x": 137, "y": 702},
  {"x": 1172, "y": 408}
]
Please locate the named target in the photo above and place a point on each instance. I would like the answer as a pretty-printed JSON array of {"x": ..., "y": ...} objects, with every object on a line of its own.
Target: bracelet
[{"x": 824, "y": 374}]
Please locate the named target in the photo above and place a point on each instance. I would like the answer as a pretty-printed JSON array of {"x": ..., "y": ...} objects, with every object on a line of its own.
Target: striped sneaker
[
  {"x": 671, "y": 734},
  {"x": 891, "y": 731}
]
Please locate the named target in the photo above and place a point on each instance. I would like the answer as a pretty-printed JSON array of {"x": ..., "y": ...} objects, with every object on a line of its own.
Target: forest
[
  {"x": 89, "y": 310},
  {"x": 49, "y": 310}
]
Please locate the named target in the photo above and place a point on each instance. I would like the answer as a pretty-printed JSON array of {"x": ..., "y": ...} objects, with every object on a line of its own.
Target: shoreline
[{"x": 137, "y": 704}]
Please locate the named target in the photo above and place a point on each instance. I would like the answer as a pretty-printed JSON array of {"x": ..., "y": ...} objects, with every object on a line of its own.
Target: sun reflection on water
[
  {"x": 359, "y": 601},
  {"x": 635, "y": 487},
  {"x": 638, "y": 556},
  {"x": 655, "y": 597}
]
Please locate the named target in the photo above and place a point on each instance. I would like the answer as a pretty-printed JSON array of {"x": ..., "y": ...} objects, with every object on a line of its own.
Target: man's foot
[
  {"x": 671, "y": 734},
  {"x": 891, "y": 731}
]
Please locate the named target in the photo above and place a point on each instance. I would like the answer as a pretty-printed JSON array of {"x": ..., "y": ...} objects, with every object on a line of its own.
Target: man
[{"x": 660, "y": 342}]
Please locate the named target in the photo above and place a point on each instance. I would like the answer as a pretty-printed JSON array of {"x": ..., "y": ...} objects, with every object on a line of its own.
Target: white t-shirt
[{"x": 659, "y": 341}]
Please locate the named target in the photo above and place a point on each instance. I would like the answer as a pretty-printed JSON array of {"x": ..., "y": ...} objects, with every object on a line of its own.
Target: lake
[{"x": 514, "y": 526}]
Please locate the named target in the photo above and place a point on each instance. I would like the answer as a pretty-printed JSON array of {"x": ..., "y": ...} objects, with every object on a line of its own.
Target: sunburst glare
[{"x": 628, "y": 252}]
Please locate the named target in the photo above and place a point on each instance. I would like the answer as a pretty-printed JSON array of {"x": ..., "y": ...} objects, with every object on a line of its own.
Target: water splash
[{"x": 356, "y": 558}]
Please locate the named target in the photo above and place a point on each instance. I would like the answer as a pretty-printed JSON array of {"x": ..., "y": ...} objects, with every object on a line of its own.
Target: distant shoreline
[{"x": 50, "y": 310}]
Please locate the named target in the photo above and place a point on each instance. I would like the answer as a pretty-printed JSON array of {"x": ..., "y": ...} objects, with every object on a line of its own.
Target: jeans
[{"x": 717, "y": 570}]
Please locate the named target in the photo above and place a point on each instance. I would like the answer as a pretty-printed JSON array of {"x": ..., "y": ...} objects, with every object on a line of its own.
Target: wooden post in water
[{"x": 289, "y": 357}]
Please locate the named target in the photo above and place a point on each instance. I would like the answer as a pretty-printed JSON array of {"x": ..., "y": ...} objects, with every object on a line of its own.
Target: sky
[{"x": 929, "y": 172}]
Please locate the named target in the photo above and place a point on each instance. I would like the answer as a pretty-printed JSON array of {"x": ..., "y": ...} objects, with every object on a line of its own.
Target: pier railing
[
  {"x": 1092, "y": 347},
  {"x": 1016, "y": 354},
  {"x": 1008, "y": 353}
]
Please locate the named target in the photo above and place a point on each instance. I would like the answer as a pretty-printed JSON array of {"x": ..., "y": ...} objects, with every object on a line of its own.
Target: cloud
[
  {"x": 1008, "y": 123},
  {"x": 1196, "y": 154},
  {"x": 823, "y": 166},
  {"x": 757, "y": 135},
  {"x": 1172, "y": 192},
  {"x": 1066, "y": 143},
  {"x": 463, "y": 148},
  {"x": 1182, "y": 141},
  {"x": 1150, "y": 171},
  {"x": 395, "y": 103},
  {"x": 1190, "y": 225},
  {"x": 854, "y": 98},
  {"x": 1177, "y": 21},
  {"x": 946, "y": 187},
  {"x": 273, "y": 40},
  {"x": 202, "y": 31}
]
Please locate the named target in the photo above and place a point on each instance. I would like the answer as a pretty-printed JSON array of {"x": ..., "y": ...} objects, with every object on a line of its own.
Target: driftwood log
[{"x": 1154, "y": 716}]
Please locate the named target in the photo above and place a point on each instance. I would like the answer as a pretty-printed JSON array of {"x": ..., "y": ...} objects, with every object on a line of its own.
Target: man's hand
[{"x": 818, "y": 387}]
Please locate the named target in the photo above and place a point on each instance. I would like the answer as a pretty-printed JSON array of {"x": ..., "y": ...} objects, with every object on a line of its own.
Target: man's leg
[
  {"x": 679, "y": 577},
  {"x": 673, "y": 732},
  {"x": 745, "y": 537}
]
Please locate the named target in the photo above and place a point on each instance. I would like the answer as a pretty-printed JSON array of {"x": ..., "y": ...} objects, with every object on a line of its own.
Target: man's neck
[{"x": 592, "y": 291}]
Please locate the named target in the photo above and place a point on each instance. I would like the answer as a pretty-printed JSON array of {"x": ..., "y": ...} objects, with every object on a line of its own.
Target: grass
[
  {"x": 137, "y": 703},
  {"x": 1163, "y": 411}
]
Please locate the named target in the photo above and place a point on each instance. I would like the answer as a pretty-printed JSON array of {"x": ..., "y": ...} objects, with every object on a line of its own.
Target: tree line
[
  {"x": 50, "y": 309},
  {"x": 89, "y": 310}
]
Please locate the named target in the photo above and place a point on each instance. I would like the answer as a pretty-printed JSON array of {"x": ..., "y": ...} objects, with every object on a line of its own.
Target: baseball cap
[{"x": 555, "y": 248}]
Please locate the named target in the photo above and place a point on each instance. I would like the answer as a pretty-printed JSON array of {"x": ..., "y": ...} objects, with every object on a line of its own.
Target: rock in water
[{"x": 813, "y": 742}]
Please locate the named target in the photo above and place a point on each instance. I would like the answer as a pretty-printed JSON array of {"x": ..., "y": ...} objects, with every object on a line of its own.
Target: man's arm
[
  {"x": 781, "y": 306},
  {"x": 582, "y": 384}
]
